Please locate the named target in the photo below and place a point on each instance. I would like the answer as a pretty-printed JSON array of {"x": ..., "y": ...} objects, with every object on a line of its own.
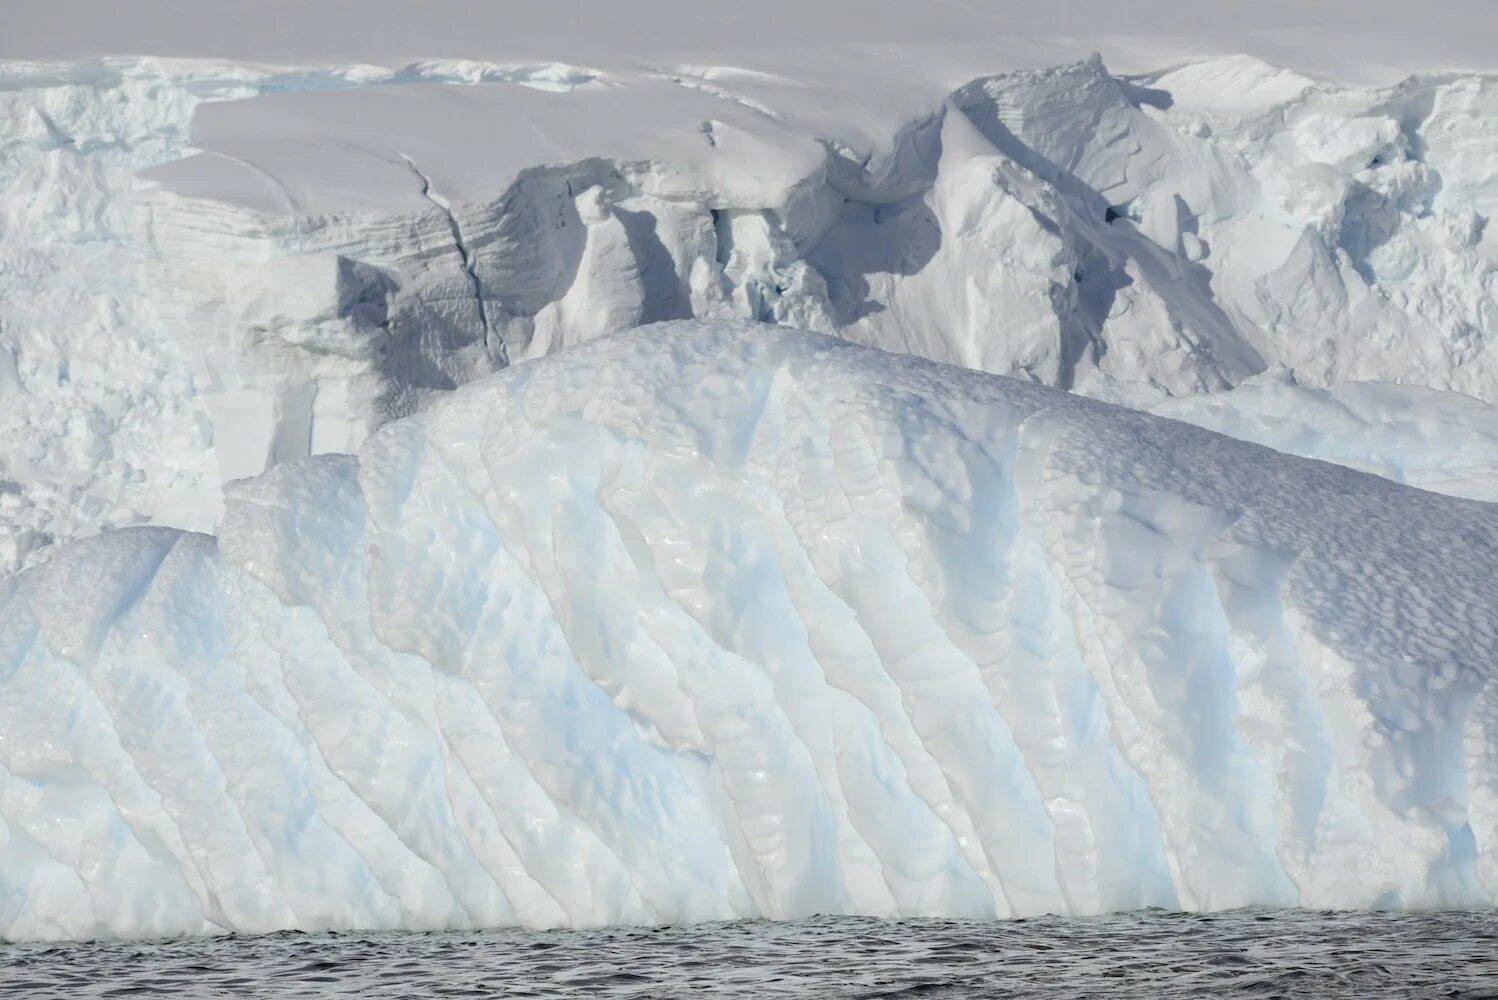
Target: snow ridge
[{"x": 714, "y": 620}]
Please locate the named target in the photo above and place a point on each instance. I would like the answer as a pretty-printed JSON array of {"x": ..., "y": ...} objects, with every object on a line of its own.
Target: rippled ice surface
[{"x": 1243, "y": 954}]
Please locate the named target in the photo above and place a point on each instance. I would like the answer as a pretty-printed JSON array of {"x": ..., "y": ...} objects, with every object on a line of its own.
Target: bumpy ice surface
[{"x": 716, "y": 620}]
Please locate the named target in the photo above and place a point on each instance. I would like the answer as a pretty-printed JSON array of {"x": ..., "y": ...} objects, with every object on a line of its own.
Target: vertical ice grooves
[
  {"x": 507, "y": 531},
  {"x": 817, "y": 507},
  {"x": 723, "y": 620}
]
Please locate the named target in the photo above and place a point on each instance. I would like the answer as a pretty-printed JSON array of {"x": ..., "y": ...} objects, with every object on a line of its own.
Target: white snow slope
[{"x": 717, "y": 620}]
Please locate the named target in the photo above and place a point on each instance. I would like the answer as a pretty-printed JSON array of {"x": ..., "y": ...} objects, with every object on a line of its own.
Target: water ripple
[{"x": 1152, "y": 954}]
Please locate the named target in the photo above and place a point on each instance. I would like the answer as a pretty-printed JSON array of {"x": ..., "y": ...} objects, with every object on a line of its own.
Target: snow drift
[{"x": 718, "y": 620}]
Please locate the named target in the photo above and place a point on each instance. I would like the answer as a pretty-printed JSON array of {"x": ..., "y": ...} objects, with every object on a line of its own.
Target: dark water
[{"x": 1155, "y": 955}]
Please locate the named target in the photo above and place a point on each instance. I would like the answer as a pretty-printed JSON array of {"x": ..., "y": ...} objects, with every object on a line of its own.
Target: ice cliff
[
  {"x": 210, "y": 268},
  {"x": 710, "y": 620}
]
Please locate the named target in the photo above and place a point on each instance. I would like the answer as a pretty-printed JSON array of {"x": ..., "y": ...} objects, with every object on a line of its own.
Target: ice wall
[
  {"x": 122, "y": 402},
  {"x": 717, "y": 620},
  {"x": 1129, "y": 237}
]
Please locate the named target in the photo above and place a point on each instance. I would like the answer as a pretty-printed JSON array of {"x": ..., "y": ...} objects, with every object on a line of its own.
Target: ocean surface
[{"x": 1154, "y": 955}]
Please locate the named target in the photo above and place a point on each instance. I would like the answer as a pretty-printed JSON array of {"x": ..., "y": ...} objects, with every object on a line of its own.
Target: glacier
[
  {"x": 709, "y": 620},
  {"x": 209, "y": 267}
]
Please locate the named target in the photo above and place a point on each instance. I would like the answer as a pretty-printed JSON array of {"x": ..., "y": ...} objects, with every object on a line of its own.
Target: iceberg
[{"x": 709, "y": 620}]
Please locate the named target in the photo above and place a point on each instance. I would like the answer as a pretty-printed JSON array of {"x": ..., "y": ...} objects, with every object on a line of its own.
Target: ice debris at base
[
  {"x": 176, "y": 309},
  {"x": 710, "y": 620}
]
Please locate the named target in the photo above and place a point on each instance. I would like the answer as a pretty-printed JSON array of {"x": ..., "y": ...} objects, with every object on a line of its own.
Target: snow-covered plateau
[
  {"x": 711, "y": 620},
  {"x": 682, "y": 460}
]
